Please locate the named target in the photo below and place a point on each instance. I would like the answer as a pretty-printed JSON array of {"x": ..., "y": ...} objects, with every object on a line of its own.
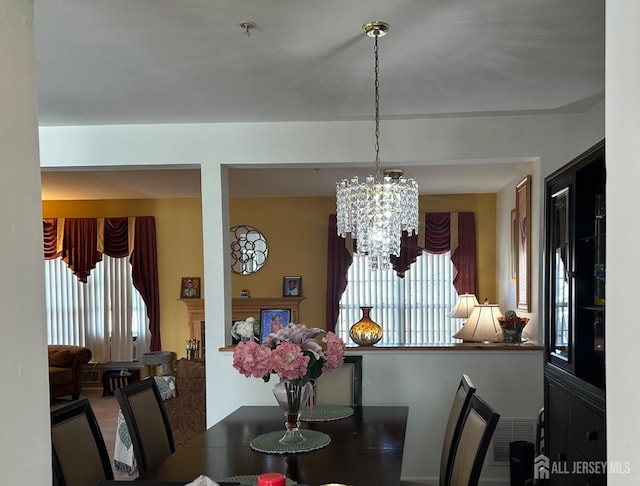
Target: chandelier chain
[{"x": 377, "y": 102}]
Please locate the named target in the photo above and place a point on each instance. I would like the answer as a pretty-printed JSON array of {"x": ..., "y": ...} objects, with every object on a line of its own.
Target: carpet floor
[{"x": 106, "y": 411}]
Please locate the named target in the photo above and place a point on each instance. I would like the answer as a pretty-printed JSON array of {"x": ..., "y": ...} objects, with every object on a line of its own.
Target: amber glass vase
[{"x": 365, "y": 332}]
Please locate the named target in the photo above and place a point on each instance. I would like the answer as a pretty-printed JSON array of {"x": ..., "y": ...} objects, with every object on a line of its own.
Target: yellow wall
[
  {"x": 179, "y": 237},
  {"x": 296, "y": 230}
]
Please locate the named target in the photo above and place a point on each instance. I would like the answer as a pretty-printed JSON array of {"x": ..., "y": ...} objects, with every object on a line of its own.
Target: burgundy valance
[
  {"x": 438, "y": 238},
  {"x": 437, "y": 232},
  {"x": 82, "y": 241}
]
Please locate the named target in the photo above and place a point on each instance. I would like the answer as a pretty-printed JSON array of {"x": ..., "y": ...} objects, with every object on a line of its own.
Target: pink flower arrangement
[{"x": 293, "y": 353}]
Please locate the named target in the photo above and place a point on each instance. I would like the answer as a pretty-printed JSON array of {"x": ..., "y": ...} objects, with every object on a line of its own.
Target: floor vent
[{"x": 509, "y": 430}]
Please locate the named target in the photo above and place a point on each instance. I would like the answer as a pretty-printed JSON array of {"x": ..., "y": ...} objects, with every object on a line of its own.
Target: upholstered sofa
[
  {"x": 187, "y": 410},
  {"x": 65, "y": 366}
]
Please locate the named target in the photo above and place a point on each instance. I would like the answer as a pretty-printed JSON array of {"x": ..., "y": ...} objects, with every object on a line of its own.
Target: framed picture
[
  {"x": 513, "y": 260},
  {"x": 272, "y": 320},
  {"x": 190, "y": 288},
  {"x": 523, "y": 221},
  {"x": 292, "y": 286}
]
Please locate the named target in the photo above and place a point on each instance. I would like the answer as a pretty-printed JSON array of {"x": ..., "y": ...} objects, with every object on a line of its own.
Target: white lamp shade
[
  {"x": 482, "y": 325},
  {"x": 464, "y": 306}
]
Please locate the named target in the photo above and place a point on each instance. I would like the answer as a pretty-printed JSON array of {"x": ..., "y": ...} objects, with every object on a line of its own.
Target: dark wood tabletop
[{"x": 366, "y": 449}]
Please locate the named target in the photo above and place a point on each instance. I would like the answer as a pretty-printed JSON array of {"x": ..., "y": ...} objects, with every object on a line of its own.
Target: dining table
[{"x": 363, "y": 449}]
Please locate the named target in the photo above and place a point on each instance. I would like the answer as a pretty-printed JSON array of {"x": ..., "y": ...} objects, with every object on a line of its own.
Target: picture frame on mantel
[
  {"x": 523, "y": 266},
  {"x": 190, "y": 288},
  {"x": 292, "y": 286},
  {"x": 272, "y": 320}
]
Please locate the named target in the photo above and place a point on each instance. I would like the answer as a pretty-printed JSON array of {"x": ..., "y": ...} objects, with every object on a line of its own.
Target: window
[
  {"x": 412, "y": 310},
  {"x": 107, "y": 314}
]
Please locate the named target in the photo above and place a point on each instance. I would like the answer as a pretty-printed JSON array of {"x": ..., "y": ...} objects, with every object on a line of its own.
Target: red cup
[{"x": 271, "y": 479}]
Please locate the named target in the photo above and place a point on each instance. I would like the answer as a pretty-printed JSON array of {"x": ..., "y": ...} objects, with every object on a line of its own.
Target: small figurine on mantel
[
  {"x": 244, "y": 294},
  {"x": 512, "y": 327}
]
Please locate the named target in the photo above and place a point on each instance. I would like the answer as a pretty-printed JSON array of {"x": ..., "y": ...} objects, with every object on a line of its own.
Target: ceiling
[{"x": 184, "y": 61}]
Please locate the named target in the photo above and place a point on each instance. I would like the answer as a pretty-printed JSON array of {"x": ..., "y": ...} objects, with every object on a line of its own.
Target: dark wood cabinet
[{"x": 574, "y": 315}]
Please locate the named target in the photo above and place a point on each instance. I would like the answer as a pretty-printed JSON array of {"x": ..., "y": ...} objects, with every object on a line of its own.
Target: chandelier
[{"x": 377, "y": 211}]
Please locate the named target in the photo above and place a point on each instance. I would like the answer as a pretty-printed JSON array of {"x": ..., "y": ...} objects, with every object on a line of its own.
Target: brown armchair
[{"x": 65, "y": 366}]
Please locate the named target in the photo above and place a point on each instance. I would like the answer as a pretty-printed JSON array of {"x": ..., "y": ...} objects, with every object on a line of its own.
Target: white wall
[
  {"x": 623, "y": 264},
  {"x": 25, "y": 451}
]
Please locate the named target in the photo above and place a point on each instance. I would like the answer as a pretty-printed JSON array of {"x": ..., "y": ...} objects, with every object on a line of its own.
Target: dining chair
[
  {"x": 79, "y": 453},
  {"x": 342, "y": 386},
  {"x": 147, "y": 422},
  {"x": 477, "y": 430},
  {"x": 457, "y": 414}
]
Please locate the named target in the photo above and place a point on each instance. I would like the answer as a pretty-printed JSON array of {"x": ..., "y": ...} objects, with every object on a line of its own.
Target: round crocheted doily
[{"x": 269, "y": 442}]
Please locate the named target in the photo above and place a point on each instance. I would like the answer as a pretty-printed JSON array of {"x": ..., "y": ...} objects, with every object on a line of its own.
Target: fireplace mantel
[
  {"x": 251, "y": 307},
  {"x": 241, "y": 309}
]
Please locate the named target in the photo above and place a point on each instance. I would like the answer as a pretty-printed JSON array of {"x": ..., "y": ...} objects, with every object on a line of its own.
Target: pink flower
[
  {"x": 334, "y": 355},
  {"x": 289, "y": 362},
  {"x": 252, "y": 360}
]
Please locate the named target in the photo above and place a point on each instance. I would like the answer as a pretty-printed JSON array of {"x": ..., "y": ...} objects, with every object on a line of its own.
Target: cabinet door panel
[
  {"x": 556, "y": 430},
  {"x": 588, "y": 434}
]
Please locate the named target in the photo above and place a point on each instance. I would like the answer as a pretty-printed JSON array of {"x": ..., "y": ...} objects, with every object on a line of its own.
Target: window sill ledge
[{"x": 437, "y": 347}]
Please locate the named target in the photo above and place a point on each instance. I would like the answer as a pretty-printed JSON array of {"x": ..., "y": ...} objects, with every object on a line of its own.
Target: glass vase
[
  {"x": 365, "y": 332},
  {"x": 291, "y": 399}
]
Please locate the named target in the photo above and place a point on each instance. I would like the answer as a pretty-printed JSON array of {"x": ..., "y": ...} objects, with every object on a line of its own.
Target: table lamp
[
  {"x": 482, "y": 325},
  {"x": 464, "y": 306}
]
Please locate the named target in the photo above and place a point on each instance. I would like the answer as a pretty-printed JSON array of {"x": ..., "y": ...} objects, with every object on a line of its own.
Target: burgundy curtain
[
  {"x": 116, "y": 237},
  {"x": 50, "y": 234},
  {"x": 338, "y": 262},
  {"x": 144, "y": 265},
  {"x": 437, "y": 233},
  {"x": 80, "y": 246},
  {"x": 464, "y": 257},
  {"x": 80, "y": 252}
]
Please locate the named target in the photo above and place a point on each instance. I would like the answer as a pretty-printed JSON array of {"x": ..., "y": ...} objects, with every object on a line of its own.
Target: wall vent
[{"x": 509, "y": 430}]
